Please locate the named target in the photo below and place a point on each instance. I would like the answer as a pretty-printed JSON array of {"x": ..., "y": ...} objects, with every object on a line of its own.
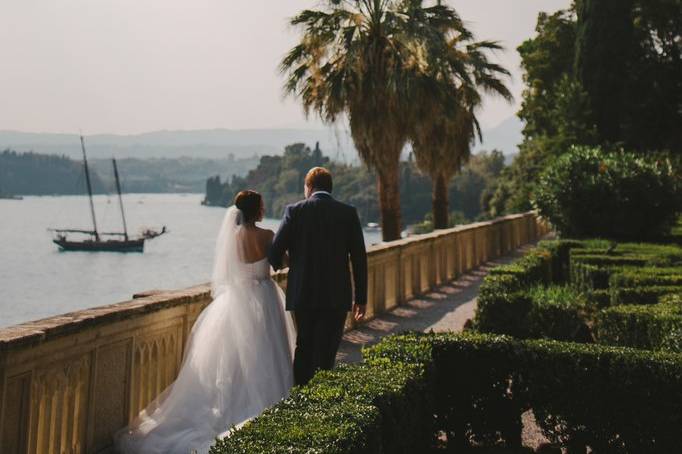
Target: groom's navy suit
[{"x": 324, "y": 240}]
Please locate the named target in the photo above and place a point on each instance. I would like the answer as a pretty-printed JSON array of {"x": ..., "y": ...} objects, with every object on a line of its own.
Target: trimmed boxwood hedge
[
  {"x": 475, "y": 387},
  {"x": 382, "y": 408},
  {"x": 558, "y": 312},
  {"x": 559, "y": 251},
  {"x": 648, "y": 276},
  {"x": 506, "y": 306},
  {"x": 657, "y": 327},
  {"x": 516, "y": 300},
  {"x": 641, "y": 295},
  {"x": 503, "y": 305},
  {"x": 609, "y": 398}
]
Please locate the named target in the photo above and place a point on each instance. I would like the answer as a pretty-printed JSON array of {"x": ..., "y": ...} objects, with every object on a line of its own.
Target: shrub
[
  {"x": 657, "y": 327},
  {"x": 502, "y": 307},
  {"x": 589, "y": 192},
  {"x": 353, "y": 409},
  {"x": 612, "y": 399},
  {"x": 399, "y": 391},
  {"x": 529, "y": 269},
  {"x": 592, "y": 267},
  {"x": 589, "y": 277},
  {"x": 641, "y": 295},
  {"x": 298, "y": 426},
  {"x": 598, "y": 299},
  {"x": 558, "y": 312},
  {"x": 649, "y": 276},
  {"x": 477, "y": 386},
  {"x": 559, "y": 251},
  {"x": 471, "y": 374},
  {"x": 502, "y": 312}
]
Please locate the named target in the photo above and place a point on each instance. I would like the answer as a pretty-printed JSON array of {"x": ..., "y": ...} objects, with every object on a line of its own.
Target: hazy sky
[{"x": 129, "y": 66}]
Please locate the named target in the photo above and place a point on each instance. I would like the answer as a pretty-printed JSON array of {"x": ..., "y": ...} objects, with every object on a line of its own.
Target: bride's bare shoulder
[{"x": 266, "y": 234}]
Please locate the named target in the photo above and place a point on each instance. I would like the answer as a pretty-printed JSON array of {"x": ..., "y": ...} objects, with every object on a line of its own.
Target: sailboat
[{"x": 103, "y": 241}]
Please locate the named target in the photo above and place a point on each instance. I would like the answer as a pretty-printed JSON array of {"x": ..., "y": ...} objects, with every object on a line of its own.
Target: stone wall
[{"x": 67, "y": 383}]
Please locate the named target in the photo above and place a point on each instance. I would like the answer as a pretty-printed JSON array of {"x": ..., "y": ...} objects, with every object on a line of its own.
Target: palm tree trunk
[
  {"x": 388, "y": 186},
  {"x": 439, "y": 200}
]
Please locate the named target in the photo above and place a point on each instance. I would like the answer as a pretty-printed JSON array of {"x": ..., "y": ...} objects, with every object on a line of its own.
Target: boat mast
[
  {"x": 120, "y": 200},
  {"x": 87, "y": 181}
]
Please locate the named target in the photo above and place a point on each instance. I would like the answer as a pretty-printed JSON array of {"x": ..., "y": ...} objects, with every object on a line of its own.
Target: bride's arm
[
  {"x": 280, "y": 243},
  {"x": 285, "y": 255}
]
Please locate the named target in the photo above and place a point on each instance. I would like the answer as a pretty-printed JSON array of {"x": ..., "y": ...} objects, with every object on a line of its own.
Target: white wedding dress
[{"x": 237, "y": 361}]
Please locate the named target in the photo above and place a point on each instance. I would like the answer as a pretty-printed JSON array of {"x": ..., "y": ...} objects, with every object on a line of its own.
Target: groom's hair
[{"x": 319, "y": 178}]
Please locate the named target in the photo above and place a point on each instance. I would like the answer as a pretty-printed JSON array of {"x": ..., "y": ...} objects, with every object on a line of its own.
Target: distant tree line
[
  {"x": 40, "y": 174},
  {"x": 169, "y": 175},
  {"x": 280, "y": 180},
  {"x": 45, "y": 174}
]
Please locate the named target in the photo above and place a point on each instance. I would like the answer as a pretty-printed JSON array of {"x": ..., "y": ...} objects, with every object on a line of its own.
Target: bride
[{"x": 238, "y": 358}]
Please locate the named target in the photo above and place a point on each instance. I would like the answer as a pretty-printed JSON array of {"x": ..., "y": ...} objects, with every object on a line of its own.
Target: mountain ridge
[{"x": 219, "y": 143}]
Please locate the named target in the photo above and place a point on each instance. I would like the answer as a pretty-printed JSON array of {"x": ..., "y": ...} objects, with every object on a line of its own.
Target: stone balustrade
[{"x": 67, "y": 383}]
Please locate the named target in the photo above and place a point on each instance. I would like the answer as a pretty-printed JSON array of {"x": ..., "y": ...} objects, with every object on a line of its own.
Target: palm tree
[
  {"x": 445, "y": 124},
  {"x": 361, "y": 59}
]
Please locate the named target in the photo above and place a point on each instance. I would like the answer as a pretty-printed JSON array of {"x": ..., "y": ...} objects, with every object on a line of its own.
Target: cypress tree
[{"x": 604, "y": 44}]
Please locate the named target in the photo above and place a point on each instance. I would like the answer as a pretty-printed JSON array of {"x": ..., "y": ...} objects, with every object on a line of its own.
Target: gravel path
[{"x": 446, "y": 308}]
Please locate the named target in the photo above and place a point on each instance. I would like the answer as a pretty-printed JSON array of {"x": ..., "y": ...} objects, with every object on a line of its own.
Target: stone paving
[{"x": 446, "y": 308}]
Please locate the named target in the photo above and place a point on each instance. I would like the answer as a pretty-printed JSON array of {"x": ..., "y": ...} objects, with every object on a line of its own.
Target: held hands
[{"x": 358, "y": 312}]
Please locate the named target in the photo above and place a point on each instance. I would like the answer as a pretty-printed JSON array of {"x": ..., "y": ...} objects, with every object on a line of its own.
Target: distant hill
[
  {"x": 221, "y": 143},
  {"x": 504, "y": 137},
  {"x": 207, "y": 144}
]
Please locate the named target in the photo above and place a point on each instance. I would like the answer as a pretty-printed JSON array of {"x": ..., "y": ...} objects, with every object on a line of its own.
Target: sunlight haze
[{"x": 130, "y": 66}]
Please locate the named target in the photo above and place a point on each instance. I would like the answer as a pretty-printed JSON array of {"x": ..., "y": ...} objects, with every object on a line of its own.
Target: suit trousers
[{"x": 318, "y": 338}]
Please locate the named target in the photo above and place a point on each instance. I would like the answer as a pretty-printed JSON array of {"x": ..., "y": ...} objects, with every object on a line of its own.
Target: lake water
[{"x": 38, "y": 281}]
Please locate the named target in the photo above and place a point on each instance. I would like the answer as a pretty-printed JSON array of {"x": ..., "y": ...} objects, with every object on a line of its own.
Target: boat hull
[{"x": 136, "y": 245}]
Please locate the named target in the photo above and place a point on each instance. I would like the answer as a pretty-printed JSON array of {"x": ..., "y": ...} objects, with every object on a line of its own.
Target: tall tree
[
  {"x": 603, "y": 49},
  {"x": 554, "y": 109},
  {"x": 445, "y": 124},
  {"x": 360, "y": 59}
]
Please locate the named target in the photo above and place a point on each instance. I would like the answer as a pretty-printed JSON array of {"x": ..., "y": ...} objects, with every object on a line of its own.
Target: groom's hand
[{"x": 358, "y": 312}]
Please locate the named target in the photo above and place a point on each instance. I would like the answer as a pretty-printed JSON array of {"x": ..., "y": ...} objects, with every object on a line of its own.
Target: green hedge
[
  {"x": 506, "y": 306},
  {"x": 529, "y": 269},
  {"x": 384, "y": 408},
  {"x": 641, "y": 295},
  {"x": 586, "y": 191},
  {"x": 503, "y": 305},
  {"x": 471, "y": 375},
  {"x": 657, "y": 327},
  {"x": 559, "y": 251},
  {"x": 612, "y": 399},
  {"x": 475, "y": 387},
  {"x": 599, "y": 274},
  {"x": 558, "y": 312},
  {"x": 593, "y": 265},
  {"x": 648, "y": 276}
]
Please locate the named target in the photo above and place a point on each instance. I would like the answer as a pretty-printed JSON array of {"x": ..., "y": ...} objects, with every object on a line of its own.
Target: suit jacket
[{"x": 321, "y": 235}]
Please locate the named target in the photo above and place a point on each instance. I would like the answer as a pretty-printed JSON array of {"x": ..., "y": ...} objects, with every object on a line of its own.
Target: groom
[{"x": 320, "y": 235}]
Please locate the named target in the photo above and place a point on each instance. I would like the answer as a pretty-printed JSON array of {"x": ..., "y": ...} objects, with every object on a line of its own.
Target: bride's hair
[{"x": 249, "y": 203}]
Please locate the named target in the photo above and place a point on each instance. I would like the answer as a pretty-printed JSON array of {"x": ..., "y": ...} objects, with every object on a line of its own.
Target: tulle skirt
[{"x": 237, "y": 362}]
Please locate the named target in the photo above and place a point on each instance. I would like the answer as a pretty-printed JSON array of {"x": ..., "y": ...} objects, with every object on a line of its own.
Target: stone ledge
[
  {"x": 25, "y": 334},
  {"x": 29, "y": 333}
]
